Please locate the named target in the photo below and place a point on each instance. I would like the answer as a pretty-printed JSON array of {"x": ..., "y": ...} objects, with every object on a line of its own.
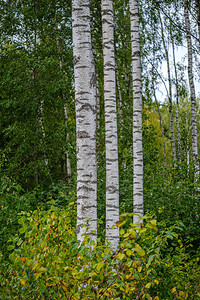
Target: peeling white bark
[
  {"x": 137, "y": 113},
  {"x": 112, "y": 173},
  {"x": 192, "y": 91},
  {"x": 85, "y": 104}
]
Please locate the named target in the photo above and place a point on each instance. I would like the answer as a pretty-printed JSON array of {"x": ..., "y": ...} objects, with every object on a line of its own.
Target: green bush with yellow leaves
[{"x": 46, "y": 261}]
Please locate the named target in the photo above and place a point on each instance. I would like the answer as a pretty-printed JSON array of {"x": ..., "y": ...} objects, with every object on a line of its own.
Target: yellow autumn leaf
[
  {"x": 139, "y": 250},
  {"x": 120, "y": 223},
  {"x": 99, "y": 266},
  {"x": 32, "y": 264},
  {"x": 22, "y": 281},
  {"x": 139, "y": 269},
  {"x": 128, "y": 252},
  {"x": 64, "y": 286},
  {"x": 41, "y": 270},
  {"x": 173, "y": 290},
  {"x": 121, "y": 256},
  {"x": 122, "y": 231},
  {"x": 153, "y": 222},
  {"x": 148, "y": 285},
  {"x": 142, "y": 230},
  {"x": 156, "y": 281},
  {"x": 183, "y": 295}
]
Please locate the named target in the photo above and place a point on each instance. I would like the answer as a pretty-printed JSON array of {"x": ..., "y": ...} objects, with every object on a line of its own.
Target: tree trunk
[
  {"x": 137, "y": 113},
  {"x": 161, "y": 127},
  {"x": 177, "y": 105},
  {"x": 198, "y": 16},
  {"x": 85, "y": 105},
  {"x": 170, "y": 93},
  {"x": 112, "y": 173},
  {"x": 119, "y": 98},
  {"x": 192, "y": 92},
  {"x": 97, "y": 79},
  {"x": 66, "y": 161},
  {"x": 67, "y": 164}
]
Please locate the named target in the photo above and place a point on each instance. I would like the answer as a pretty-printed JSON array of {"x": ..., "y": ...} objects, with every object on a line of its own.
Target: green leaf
[
  {"x": 10, "y": 247},
  {"x": 139, "y": 250},
  {"x": 22, "y": 230},
  {"x": 99, "y": 266},
  {"x": 150, "y": 260}
]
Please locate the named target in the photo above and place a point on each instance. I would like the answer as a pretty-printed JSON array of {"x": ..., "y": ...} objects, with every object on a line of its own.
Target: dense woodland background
[{"x": 38, "y": 152}]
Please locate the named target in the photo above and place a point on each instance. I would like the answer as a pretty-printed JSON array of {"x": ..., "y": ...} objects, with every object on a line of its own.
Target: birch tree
[
  {"x": 85, "y": 105},
  {"x": 192, "y": 91},
  {"x": 198, "y": 16},
  {"x": 137, "y": 113},
  {"x": 112, "y": 174}
]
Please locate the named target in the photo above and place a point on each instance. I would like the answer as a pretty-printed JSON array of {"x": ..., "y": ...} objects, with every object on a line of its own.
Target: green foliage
[
  {"x": 36, "y": 88},
  {"x": 44, "y": 262},
  {"x": 173, "y": 197},
  {"x": 13, "y": 200},
  {"x": 48, "y": 263}
]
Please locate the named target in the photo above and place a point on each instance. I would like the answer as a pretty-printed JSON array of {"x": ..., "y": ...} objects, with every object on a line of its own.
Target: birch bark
[
  {"x": 137, "y": 113},
  {"x": 112, "y": 173},
  {"x": 85, "y": 105},
  {"x": 192, "y": 91},
  {"x": 198, "y": 16}
]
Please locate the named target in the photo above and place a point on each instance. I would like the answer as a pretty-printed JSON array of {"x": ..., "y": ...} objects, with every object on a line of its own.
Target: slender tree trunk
[
  {"x": 137, "y": 113},
  {"x": 35, "y": 99},
  {"x": 192, "y": 92},
  {"x": 198, "y": 16},
  {"x": 35, "y": 151},
  {"x": 170, "y": 93},
  {"x": 119, "y": 97},
  {"x": 66, "y": 162},
  {"x": 177, "y": 104},
  {"x": 154, "y": 92},
  {"x": 112, "y": 173},
  {"x": 161, "y": 127},
  {"x": 97, "y": 80},
  {"x": 85, "y": 105}
]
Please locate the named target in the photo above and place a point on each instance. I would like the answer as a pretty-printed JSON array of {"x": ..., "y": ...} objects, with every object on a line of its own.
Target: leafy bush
[{"x": 48, "y": 263}]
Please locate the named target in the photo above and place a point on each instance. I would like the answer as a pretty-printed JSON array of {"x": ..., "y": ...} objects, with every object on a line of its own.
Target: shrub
[{"x": 48, "y": 263}]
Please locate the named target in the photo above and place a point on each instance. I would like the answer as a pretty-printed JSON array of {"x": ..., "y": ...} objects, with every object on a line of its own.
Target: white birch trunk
[
  {"x": 85, "y": 104},
  {"x": 192, "y": 92},
  {"x": 198, "y": 16},
  {"x": 137, "y": 113},
  {"x": 112, "y": 173},
  {"x": 97, "y": 79}
]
